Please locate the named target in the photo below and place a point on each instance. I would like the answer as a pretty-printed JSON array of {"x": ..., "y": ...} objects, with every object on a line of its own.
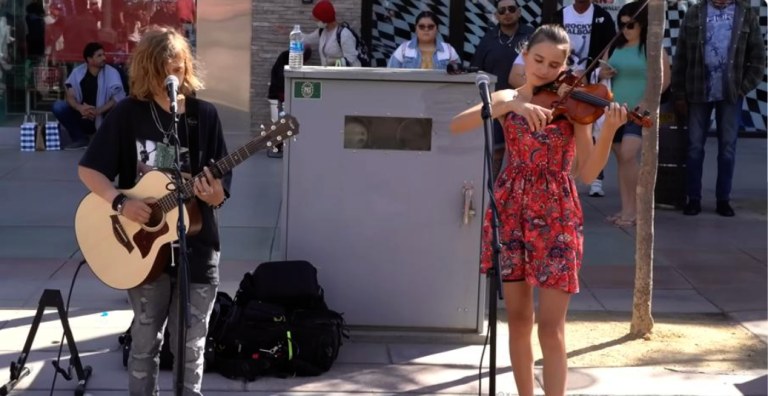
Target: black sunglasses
[
  {"x": 428, "y": 28},
  {"x": 628, "y": 25},
  {"x": 503, "y": 10}
]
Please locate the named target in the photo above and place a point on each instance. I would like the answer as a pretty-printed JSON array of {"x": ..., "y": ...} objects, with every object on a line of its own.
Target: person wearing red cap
[{"x": 336, "y": 44}]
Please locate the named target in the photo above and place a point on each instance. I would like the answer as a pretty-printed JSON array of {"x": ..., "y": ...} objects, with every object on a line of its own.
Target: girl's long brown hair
[{"x": 148, "y": 67}]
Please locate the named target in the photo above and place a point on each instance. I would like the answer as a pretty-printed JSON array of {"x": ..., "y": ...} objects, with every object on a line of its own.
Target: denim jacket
[{"x": 408, "y": 56}]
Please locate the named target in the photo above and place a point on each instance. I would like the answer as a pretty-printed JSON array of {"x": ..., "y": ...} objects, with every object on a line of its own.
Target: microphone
[
  {"x": 457, "y": 68},
  {"x": 483, "y": 82},
  {"x": 172, "y": 87}
]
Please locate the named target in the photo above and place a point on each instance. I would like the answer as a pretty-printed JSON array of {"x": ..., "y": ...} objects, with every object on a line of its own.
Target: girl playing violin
[{"x": 539, "y": 211}]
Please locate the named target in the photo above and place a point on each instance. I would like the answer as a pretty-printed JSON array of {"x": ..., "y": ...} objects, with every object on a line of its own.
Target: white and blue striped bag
[
  {"x": 52, "y": 141},
  {"x": 28, "y": 134}
]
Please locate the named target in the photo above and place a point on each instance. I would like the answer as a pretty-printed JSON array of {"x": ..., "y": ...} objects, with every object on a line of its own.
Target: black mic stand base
[{"x": 492, "y": 322}]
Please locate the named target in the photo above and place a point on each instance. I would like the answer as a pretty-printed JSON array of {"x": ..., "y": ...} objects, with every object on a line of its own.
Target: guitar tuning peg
[
  {"x": 282, "y": 120},
  {"x": 295, "y": 138},
  {"x": 269, "y": 144},
  {"x": 263, "y": 133},
  {"x": 274, "y": 149},
  {"x": 279, "y": 138},
  {"x": 262, "y": 126},
  {"x": 289, "y": 133},
  {"x": 273, "y": 127}
]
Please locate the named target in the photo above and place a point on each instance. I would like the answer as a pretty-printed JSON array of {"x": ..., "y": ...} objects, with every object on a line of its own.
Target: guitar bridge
[{"x": 120, "y": 234}]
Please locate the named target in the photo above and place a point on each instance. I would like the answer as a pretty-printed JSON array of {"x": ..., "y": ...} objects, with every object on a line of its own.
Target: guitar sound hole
[{"x": 156, "y": 218}]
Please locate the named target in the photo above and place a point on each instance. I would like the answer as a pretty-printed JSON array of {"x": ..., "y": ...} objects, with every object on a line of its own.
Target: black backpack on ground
[
  {"x": 253, "y": 342},
  {"x": 290, "y": 284},
  {"x": 280, "y": 325},
  {"x": 363, "y": 55}
]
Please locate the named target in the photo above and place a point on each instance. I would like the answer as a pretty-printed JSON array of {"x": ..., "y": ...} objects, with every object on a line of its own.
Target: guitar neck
[{"x": 169, "y": 201}]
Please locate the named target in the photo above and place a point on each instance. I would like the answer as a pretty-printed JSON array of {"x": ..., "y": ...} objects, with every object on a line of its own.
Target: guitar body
[{"x": 124, "y": 254}]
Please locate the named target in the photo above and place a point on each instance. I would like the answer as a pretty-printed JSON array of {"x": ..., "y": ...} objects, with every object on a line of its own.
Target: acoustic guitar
[{"x": 124, "y": 254}]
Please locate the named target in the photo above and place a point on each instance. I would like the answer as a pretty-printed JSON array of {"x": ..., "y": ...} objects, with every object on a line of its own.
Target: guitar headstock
[{"x": 284, "y": 128}]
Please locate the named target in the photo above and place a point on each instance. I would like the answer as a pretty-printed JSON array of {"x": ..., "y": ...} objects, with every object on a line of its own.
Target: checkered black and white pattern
[
  {"x": 674, "y": 19},
  {"x": 27, "y": 135},
  {"x": 755, "y": 107},
  {"x": 52, "y": 142},
  {"x": 394, "y": 21},
  {"x": 478, "y": 18}
]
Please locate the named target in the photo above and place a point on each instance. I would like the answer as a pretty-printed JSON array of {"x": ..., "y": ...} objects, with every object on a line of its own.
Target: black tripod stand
[
  {"x": 493, "y": 275},
  {"x": 51, "y": 298}
]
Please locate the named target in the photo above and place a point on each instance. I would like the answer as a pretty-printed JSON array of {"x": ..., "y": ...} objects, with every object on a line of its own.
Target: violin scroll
[{"x": 643, "y": 119}]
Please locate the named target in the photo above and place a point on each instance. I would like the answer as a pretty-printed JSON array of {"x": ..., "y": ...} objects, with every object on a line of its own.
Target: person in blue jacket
[{"x": 427, "y": 50}]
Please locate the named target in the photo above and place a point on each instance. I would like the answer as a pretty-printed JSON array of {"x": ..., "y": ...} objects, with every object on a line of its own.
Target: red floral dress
[{"x": 541, "y": 223}]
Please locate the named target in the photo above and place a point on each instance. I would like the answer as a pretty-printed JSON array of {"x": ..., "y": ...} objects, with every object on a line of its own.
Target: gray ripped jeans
[{"x": 154, "y": 304}]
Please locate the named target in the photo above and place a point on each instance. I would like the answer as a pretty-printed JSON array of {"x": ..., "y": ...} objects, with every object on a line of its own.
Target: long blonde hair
[{"x": 148, "y": 65}]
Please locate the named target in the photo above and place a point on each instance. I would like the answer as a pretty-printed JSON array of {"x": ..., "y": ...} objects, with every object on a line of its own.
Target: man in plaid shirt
[{"x": 720, "y": 58}]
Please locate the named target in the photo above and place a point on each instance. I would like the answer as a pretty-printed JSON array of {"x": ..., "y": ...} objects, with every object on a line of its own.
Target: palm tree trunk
[{"x": 642, "y": 321}]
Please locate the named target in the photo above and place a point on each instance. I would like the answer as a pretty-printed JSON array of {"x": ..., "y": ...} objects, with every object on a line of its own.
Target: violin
[{"x": 583, "y": 103}]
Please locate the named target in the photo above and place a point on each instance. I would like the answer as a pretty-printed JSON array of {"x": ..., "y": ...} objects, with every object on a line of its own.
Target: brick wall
[{"x": 273, "y": 21}]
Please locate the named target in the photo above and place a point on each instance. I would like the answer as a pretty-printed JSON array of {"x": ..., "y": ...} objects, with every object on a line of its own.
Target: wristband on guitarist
[
  {"x": 118, "y": 202},
  {"x": 220, "y": 203}
]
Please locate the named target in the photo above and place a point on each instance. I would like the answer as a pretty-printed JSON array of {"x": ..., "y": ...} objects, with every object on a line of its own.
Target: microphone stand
[
  {"x": 493, "y": 275},
  {"x": 182, "y": 277}
]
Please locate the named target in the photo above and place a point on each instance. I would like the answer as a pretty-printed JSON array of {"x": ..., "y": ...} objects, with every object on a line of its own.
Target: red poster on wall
[{"x": 117, "y": 24}]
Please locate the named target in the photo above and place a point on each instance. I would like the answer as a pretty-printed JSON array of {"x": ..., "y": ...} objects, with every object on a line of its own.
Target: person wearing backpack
[
  {"x": 337, "y": 43},
  {"x": 427, "y": 51}
]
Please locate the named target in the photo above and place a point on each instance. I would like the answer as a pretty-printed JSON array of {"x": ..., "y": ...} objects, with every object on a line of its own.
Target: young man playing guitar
[{"x": 136, "y": 137}]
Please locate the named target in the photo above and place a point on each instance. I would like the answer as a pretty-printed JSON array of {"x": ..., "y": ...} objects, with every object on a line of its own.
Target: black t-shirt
[
  {"x": 89, "y": 85},
  {"x": 497, "y": 52},
  {"x": 130, "y": 133}
]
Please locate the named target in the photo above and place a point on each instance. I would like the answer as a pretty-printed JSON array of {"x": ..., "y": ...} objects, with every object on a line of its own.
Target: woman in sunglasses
[
  {"x": 427, "y": 51},
  {"x": 626, "y": 67}
]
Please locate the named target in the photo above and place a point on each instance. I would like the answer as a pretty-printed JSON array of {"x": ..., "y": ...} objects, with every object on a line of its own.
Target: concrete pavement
[{"x": 705, "y": 264}]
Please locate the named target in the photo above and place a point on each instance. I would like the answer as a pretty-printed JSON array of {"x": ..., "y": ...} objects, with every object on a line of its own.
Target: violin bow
[{"x": 602, "y": 53}]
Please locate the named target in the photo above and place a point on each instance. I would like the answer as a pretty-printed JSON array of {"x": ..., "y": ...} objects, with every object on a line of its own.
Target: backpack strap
[
  {"x": 341, "y": 27},
  {"x": 338, "y": 33}
]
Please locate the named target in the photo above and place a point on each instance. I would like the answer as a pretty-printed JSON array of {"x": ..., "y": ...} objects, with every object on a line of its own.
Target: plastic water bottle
[{"x": 296, "y": 54}]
